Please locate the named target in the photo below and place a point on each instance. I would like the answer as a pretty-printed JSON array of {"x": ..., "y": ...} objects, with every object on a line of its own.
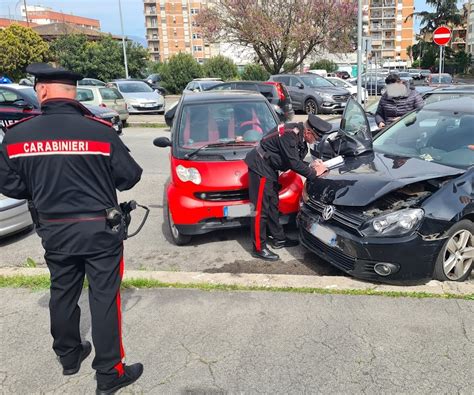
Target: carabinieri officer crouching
[
  {"x": 279, "y": 152},
  {"x": 69, "y": 165}
]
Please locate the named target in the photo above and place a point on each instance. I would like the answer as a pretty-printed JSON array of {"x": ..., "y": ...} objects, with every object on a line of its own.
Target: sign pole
[
  {"x": 440, "y": 61},
  {"x": 359, "y": 51}
]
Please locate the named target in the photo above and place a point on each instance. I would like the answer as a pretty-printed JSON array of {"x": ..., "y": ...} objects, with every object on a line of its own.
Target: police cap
[
  {"x": 319, "y": 126},
  {"x": 44, "y": 72}
]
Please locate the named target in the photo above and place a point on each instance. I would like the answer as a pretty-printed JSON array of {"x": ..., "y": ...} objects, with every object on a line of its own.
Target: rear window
[
  {"x": 110, "y": 94},
  {"x": 269, "y": 91},
  {"x": 202, "y": 124},
  {"x": 84, "y": 95}
]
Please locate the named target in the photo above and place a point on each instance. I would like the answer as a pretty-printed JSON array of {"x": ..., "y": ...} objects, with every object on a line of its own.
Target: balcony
[
  {"x": 150, "y": 11},
  {"x": 389, "y": 16},
  {"x": 375, "y": 27},
  {"x": 149, "y": 1}
]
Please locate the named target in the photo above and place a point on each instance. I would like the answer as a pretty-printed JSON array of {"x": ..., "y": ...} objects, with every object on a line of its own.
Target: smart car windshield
[
  {"x": 440, "y": 136},
  {"x": 231, "y": 123}
]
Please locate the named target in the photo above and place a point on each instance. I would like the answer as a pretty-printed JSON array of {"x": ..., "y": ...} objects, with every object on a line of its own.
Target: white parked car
[
  {"x": 201, "y": 84},
  {"x": 336, "y": 81},
  {"x": 14, "y": 214},
  {"x": 103, "y": 96},
  {"x": 139, "y": 96}
]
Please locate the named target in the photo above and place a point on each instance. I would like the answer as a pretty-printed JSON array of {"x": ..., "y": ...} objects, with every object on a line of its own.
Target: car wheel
[
  {"x": 311, "y": 107},
  {"x": 178, "y": 238},
  {"x": 456, "y": 259}
]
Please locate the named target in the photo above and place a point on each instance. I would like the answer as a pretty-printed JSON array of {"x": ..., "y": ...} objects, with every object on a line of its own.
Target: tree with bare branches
[{"x": 283, "y": 33}]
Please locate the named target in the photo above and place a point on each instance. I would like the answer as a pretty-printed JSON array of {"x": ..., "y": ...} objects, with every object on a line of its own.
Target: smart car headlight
[
  {"x": 188, "y": 174},
  {"x": 397, "y": 223}
]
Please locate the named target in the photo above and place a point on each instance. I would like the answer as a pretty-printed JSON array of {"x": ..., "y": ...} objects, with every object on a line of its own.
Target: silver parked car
[
  {"x": 140, "y": 98},
  {"x": 104, "y": 97},
  {"x": 14, "y": 214}
]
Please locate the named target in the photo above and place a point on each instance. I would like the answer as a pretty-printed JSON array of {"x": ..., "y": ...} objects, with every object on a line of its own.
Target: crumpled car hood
[{"x": 364, "y": 179}]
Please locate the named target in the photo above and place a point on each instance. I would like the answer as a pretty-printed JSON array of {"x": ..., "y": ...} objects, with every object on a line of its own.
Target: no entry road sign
[{"x": 442, "y": 35}]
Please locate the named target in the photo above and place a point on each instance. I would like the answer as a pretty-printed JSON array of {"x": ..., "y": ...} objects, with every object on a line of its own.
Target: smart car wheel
[
  {"x": 177, "y": 237},
  {"x": 456, "y": 259},
  {"x": 311, "y": 107}
]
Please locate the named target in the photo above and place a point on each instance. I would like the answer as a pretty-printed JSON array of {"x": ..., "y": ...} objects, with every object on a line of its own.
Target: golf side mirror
[{"x": 162, "y": 142}]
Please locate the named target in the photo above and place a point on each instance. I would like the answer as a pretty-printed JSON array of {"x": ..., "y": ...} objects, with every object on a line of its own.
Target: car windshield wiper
[{"x": 223, "y": 144}]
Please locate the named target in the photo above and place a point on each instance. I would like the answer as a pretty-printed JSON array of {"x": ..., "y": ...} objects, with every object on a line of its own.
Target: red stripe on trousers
[
  {"x": 119, "y": 367},
  {"x": 259, "y": 210}
]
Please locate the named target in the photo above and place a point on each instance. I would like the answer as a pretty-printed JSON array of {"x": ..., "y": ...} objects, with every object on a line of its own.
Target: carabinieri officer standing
[
  {"x": 279, "y": 152},
  {"x": 69, "y": 165}
]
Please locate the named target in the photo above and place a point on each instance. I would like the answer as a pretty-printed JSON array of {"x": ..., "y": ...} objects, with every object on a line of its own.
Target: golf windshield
[
  {"x": 444, "y": 79},
  {"x": 134, "y": 87},
  {"x": 225, "y": 122},
  {"x": 439, "y": 136}
]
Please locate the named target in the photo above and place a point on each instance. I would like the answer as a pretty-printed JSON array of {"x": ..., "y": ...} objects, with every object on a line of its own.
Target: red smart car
[{"x": 208, "y": 188}]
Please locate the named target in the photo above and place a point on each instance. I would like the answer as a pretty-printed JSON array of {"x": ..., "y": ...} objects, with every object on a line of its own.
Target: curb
[{"x": 334, "y": 283}]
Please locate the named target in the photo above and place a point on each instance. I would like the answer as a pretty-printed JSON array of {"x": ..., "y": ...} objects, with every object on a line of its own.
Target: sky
[{"x": 107, "y": 12}]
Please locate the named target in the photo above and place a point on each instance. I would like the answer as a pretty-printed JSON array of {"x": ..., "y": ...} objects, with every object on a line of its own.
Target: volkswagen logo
[{"x": 328, "y": 212}]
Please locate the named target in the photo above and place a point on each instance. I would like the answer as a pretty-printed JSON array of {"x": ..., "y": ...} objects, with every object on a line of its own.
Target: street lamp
[
  {"x": 123, "y": 41},
  {"x": 359, "y": 52}
]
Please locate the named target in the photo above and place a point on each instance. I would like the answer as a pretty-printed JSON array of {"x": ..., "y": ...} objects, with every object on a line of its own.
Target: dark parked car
[
  {"x": 274, "y": 92},
  {"x": 19, "y": 101},
  {"x": 154, "y": 80},
  {"x": 313, "y": 94},
  {"x": 405, "y": 211},
  {"x": 343, "y": 74},
  {"x": 375, "y": 83}
]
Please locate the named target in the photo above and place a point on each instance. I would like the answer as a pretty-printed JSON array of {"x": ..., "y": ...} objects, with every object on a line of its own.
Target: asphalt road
[{"x": 195, "y": 342}]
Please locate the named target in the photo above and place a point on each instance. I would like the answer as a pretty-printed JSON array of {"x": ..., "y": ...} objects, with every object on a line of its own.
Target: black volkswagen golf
[{"x": 405, "y": 211}]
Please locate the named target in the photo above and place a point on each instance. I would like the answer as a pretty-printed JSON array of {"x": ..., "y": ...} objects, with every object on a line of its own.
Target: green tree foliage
[
  {"x": 254, "y": 72},
  {"x": 178, "y": 71},
  {"x": 220, "y": 67},
  {"x": 20, "y": 46},
  {"x": 445, "y": 13},
  {"x": 324, "y": 64},
  {"x": 102, "y": 59}
]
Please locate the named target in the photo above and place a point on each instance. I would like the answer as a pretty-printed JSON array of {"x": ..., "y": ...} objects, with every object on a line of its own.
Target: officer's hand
[
  {"x": 319, "y": 167},
  {"x": 471, "y": 147},
  {"x": 381, "y": 125}
]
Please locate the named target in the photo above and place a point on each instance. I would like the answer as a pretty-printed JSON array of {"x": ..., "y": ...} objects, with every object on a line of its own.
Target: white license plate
[
  {"x": 240, "y": 210},
  {"x": 147, "y": 105},
  {"x": 327, "y": 236},
  {"x": 343, "y": 104}
]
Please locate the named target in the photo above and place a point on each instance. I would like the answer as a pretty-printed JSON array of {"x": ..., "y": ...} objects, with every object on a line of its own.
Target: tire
[
  {"x": 176, "y": 237},
  {"x": 456, "y": 260},
  {"x": 311, "y": 107}
]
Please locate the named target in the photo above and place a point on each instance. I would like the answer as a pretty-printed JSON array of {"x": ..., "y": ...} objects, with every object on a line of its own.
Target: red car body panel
[{"x": 187, "y": 209}]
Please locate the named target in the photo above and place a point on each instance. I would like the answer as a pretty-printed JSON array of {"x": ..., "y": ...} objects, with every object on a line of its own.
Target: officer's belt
[{"x": 92, "y": 215}]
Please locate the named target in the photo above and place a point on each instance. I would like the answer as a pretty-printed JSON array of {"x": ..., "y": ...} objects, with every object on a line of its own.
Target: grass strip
[{"x": 42, "y": 282}]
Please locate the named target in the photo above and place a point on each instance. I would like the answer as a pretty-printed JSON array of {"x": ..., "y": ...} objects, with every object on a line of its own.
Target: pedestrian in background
[
  {"x": 397, "y": 100},
  {"x": 69, "y": 166}
]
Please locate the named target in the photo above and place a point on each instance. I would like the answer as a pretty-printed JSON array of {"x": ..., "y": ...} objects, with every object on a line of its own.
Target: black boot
[
  {"x": 86, "y": 349},
  {"x": 132, "y": 373},
  {"x": 284, "y": 243},
  {"x": 265, "y": 254}
]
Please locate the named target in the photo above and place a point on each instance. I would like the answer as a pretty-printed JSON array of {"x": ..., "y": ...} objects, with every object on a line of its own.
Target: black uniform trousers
[
  {"x": 104, "y": 272},
  {"x": 263, "y": 193}
]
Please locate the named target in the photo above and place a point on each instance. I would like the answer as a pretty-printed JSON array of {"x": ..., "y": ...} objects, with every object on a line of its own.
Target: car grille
[
  {"x": 349, "y": 221},
  {"x": 335, "y": 256},
  {"x": 157, "y": 107},
  {"x": 341, "y": 98},
  {"x": 222, "y": 196}
]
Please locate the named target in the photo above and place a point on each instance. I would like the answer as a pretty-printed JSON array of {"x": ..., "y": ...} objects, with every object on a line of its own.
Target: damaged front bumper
[{"x": 408, "y": 258}]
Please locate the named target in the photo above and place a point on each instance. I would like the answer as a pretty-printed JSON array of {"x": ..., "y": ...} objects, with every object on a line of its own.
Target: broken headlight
[{"x": 397, "y": 223}]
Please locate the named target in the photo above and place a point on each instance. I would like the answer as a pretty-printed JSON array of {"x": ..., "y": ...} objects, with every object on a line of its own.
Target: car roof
[
  {"x": 455, "y": 88},
  {"x": 129, "y": 80},
  {"x": 234, "y": 95},
  {"x": 15, "y": 86},
  {"x": 464, "y": 104},
  {"x": 207, "y": 79}
]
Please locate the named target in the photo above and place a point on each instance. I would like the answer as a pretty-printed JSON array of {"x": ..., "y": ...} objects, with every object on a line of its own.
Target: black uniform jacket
[
  {"x": 67, "y": 163},
  {"x": 281, "y": 152}
]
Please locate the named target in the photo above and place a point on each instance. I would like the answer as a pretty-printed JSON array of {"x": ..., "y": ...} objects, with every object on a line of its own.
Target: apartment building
[
  {"x": 171, "y": 28},
  {"x": 385, "y": 22},
  {"x": 470, "y": 29},
  {"x": 44, "y": 16}
]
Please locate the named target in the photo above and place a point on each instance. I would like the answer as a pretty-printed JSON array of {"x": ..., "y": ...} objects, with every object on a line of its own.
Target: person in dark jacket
[
  {"x": 69, "y": 165},
  {"x": 397, "y": 100},
  {"x": 279, "y": 151}
]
